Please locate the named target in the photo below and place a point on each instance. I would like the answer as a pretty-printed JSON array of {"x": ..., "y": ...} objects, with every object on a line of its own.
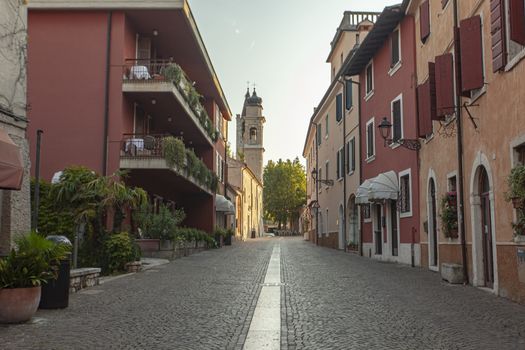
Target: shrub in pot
[
  {"x": 33, "y": 261},
  {"x": 516, "y": 187}
]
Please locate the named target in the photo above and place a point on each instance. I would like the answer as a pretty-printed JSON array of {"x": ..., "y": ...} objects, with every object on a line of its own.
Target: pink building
[
  {"x": 108, "y": 82},
  {"x": 388, "y": 194}
]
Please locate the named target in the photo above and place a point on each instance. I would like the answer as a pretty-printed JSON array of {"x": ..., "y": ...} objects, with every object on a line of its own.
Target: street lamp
[
  {"x": 385, "y": 127},
  {"x": 326, "y": 182}
]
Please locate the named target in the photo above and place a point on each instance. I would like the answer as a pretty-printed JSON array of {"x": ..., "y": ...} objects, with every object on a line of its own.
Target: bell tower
[{"x": 250, "y": 131}]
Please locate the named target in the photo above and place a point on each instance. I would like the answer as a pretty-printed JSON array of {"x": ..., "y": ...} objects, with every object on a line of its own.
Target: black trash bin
[{"x": 55, "y": 293}]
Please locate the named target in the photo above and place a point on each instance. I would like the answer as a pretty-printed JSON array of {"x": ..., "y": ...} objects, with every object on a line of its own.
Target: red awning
[{"x": 11, "y": 166}]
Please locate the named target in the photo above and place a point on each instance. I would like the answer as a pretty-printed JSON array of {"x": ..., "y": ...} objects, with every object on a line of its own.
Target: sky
[{"x": 281, "y": 46}]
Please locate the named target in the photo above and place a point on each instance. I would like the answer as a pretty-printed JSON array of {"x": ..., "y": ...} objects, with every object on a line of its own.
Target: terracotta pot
[{"x": 18, "y": 304}]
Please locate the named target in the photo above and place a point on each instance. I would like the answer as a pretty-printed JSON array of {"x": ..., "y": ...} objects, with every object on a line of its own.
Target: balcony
[
  {"x": 157, "y": 157},
  {"x": 164, "y": 84}
]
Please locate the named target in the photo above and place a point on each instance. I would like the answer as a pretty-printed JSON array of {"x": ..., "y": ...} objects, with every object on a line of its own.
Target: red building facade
[
  {"x": 104, "y": 86},
  {"x": 388, "y": 194}
]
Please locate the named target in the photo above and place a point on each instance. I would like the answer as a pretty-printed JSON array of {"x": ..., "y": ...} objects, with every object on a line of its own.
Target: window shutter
[
  {"x": 347, "y": 155},
  {"x": 471, "y": 54},
  {"x": 338, "y": 172},
  {"x": 396, "y": 120},
  {"x": 352, "y": 143},
  {"x": 517, "y": 21},
  {"x": 424, "y": 20},
  {"x": 444, "y": 86},
  {"x": 497, "y": 30},
  {"x": 339, "y": 107},
  {"x": 426, "y": 103},
  {"x": 349, "y": 94}
]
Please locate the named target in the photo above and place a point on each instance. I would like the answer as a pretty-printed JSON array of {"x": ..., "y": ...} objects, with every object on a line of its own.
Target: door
[
  {"x": 342, "y": 229},
  {"x": 393, "y": 225},
  {"x": 378, "y": 232},
  {"x": 486, "y": 229},
  {"x": 433, "y": 225}
]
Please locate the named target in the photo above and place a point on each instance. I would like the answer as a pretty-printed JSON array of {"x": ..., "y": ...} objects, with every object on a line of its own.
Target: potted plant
[
  {"x": 516, "y": 187},
  {"x": 228, "y": 236},
  {"x": 449, "y": 215},
  {"x": 33, "y": 261},
  {"x": 172, "y": 72}
]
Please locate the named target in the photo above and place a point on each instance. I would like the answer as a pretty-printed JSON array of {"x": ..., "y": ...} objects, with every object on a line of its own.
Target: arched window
[{"x": 253, "y": 134}]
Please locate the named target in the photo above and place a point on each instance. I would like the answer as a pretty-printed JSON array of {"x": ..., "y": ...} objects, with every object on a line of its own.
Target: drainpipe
[
  {"x": 106, "y": 97},
  {"x": 343, "y": 165},
  {"x": 316, "y": 186},
  {"x": 459, "y": 136},
  {"x": 39, "y": 133}
]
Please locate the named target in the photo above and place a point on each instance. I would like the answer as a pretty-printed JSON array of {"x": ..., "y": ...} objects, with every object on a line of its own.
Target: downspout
[
  {"x": 360, "y": 165},
  {"x": 106, "y": 96},
  {"x": 343, "y": 165},
  {"x": 459, "y": 136},
  {"x": 316, "y": 186}
]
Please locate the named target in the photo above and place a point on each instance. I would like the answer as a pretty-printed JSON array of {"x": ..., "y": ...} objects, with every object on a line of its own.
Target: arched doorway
[
  {"x": 432, "y": 225},
  {"x": 341, "y": 227},
  {"x": 486, "y": 227},
  {"x": 353, "y": 222}
]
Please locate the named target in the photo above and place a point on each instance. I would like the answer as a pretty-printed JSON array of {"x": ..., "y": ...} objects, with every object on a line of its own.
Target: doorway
[
  {"x": 486, "y": 228},
  {"x": 393, "y": 227},
  {"x": 432, "y": 225},
  {"x": 342, "y": 230},
  {"x": 378, "y": 232}
]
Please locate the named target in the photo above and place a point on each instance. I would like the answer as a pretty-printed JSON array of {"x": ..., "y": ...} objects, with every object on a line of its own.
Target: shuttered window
[
  {"x": 395, "y": 48},
  {"x": 340, "y": 163},
  {"x": 370, "y": 151},
  {"x": 405, "y": 195},
  {"x": 352, "y": 155},
  {"x": 339, "y": 107},
  {"x": 349, "y": 94},
  {"x": 444, "y": 85},
  {"x": 497, "y": 30},
  {"x": 397, "y": 122},
  {"x": 319, "y": 135},
  {"x": 426, "y": 103},
  {"x": 369, "y": 78},
  {"x": 471, "y": 54},
  {"x": 517, "y": 21},
  {"x": 424, "y": 20}
]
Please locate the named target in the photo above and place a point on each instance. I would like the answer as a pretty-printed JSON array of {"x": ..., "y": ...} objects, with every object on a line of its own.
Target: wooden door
[
  {"x": 486, "y": 229},
  {"x": 393, "y": 226},
  {"x": 433, "y": 227},
  {"x": 378, "y": 232}
]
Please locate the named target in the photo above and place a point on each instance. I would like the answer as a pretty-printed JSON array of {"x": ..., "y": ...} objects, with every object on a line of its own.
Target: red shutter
[
  {"x": 426, "y": 103},
  {"x": 471, "y": 54},
  {"x": 517, "y": 21},
  {"x": 444, "y": 86},
  {"x": 424, "y": 20},
  {"x": 497, "y": 29}
]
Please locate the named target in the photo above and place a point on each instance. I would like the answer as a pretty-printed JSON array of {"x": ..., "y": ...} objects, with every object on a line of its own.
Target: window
[
  {"x": 366, "y": 211},
  {"x": 326, "y": 126},
  {"x": 369, "y": 79},
  {"x": 520, "y": 154},
  {"x": 339, "y": 107},
  {"x": 319, "y": 133},
  {"x": 405, "y": 194},
  {"x": 370, "y": 139},
  {"x": 327, "y": 170},
  {"x": 424, "y": 20},
  {"x": 349, "y": 93},
  {"x": 340, "y": 163},
  {"x": 395, "y": 48},
  {"x": 320, "y": 176},
  {"x": 515, "y": 31},
  {"x": 219, "y": 168},
  {"x": 397, "y": 119},
  {"x": 350, "y": 156},
  {"x": 253, "y": 135}
]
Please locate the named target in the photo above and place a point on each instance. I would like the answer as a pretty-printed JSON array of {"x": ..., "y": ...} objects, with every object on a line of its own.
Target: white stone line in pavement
[{"x": 265, "y": 328}]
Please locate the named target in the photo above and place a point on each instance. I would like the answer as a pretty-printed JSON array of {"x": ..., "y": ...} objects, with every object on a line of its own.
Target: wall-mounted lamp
[
  {"x": 169, "y": 119},
  {"x": 385, "y": 128},
  {"x": 326, "y": 182},
  {"x": 153, "y": 101},
  {"x": 155, "y": 32}
]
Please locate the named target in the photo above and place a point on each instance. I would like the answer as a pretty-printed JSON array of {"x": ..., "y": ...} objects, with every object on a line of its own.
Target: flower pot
[
  {"x": 18, "y": 304},
  {"x": 517, "y": 203}
]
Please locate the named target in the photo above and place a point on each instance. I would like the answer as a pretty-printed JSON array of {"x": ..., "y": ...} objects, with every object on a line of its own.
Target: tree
[{"x": 284, "y": 190}]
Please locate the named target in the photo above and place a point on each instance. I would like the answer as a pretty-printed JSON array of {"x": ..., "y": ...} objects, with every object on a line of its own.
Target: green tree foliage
[{"x": 284, "y": 190}]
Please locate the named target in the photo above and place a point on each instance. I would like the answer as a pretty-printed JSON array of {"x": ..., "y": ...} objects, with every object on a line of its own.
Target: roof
[{"x": 385, "y": 24}]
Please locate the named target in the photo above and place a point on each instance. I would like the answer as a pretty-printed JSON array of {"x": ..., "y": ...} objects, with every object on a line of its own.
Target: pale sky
[{"x": 281, "y": 46}]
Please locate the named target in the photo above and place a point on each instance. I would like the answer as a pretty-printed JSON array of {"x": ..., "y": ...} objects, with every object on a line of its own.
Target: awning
[
  {"x": 11, "y": 165},
  {"x": 384, "y": 186},
  {"x": 361, "y": 195},
  {"x": 223, "y": 205}
]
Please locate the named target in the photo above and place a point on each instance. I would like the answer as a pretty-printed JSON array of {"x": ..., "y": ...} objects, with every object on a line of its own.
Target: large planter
[
  {"x": 148, "y": 245},
  {"x": 18, "y": 304},
  {"x": 228, "y": 240}
]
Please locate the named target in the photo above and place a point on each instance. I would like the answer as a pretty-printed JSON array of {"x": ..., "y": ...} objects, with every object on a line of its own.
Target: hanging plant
[
  {"x": 449, "y": 215},
  {"x": 516, "y": 187}
]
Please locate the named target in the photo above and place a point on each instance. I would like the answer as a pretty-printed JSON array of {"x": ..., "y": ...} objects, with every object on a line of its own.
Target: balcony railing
[
  {"x": 172, "y": 149},
  {"x": 146, "y": 71}
]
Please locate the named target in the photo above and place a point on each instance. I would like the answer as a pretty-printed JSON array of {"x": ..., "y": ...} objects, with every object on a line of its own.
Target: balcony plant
[
  {"x": 174, "y": 151},
  {"x": 516, "y": 187},
  {"x": 31, "y": 263},
  {"x": 172, "y": 72},
  {"x": 449, "y": 215}
]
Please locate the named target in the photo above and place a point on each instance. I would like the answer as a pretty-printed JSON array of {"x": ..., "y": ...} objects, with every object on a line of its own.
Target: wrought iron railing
[
  {"x": 142, "y": 146},
  {"x": 151, "y": 71}
]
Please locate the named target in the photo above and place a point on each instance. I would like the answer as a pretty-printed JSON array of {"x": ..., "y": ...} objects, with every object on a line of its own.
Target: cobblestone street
[{"x": 329, "y": 300}]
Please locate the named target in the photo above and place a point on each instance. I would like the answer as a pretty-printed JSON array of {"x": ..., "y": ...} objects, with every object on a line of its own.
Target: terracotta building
[
  {"x": 388, "y": 194},
  {"x": 331, "y": 145},
  {"x": 470, "y": 71},
  {"x": 125, "y": 76}
]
